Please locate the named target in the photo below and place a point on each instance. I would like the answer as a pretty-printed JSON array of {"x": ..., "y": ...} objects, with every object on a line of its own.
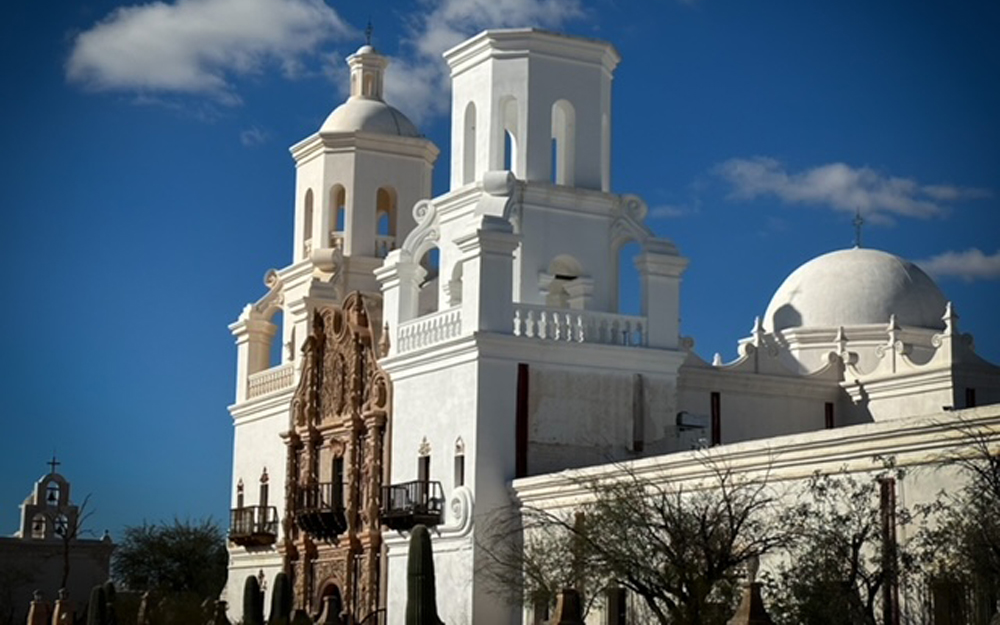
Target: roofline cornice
[{"x": 513, "y": 43}]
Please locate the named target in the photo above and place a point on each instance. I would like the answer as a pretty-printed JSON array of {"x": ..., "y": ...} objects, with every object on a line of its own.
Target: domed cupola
[
  {"x": 855, "y": 287},
  {"x": 365, "y": 110}
]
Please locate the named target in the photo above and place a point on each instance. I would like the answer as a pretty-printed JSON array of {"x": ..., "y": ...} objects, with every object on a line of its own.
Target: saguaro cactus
[
  {"x": 111, "y": 617},
  {"x": 281, "y": 601},
  {"x": 421, "y": 603},
  {"x": 97, "y": 609},
  {"x": 253, "y": 602},
  {"x": 219, "y": 614}
]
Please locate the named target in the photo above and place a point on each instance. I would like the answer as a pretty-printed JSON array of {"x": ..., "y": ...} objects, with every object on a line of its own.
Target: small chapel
[
  {"x": 440, "y": 358},
  {"x": 51, "y": 555}
]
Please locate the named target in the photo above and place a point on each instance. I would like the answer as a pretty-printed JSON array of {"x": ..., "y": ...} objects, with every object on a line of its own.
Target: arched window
[
  {"x": 307, "y": 223},
  {"x": 60, "y": 526},
  {"x": 52, "y": 493},
  {"x": 469, "y": 145},
  {"x": 628, "y": 285},
  {"x": 369, "y": 85},
  {"x": 338, "y": 212},
  {"x": 385, "y": 207},
  {"x": 239, "y": 493},
  {"x": 563, "y": 143},
  {"x": 427, "y": 299},
  {"x": 39, "y": 523},
  {"x": 510, "y": 134}
]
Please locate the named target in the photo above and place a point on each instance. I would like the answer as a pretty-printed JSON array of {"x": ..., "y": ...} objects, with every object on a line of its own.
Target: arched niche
[
  {"x": 510, "y": 134},
  {"x": 563, "y": 270},
  {"x": 307, "y": 223},
  {"x": 385, "y": 220},
  {"x": 338, "y": 215},
  {"x": 430, "y": 261},
  {"x": 628, "y": 284}
]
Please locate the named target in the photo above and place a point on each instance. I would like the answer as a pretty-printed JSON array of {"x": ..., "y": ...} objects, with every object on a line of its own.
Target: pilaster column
[
  {"x": 487, "y": 276},
  {"x": 253, "y": 349},
  {"x": 660, "y": 274},
  {"x": 400, "y": 278}
]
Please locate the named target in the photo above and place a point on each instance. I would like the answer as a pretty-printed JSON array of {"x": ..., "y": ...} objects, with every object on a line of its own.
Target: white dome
[
  {"x": 855, "y": 287},
  {"x": 368, "y": 115}
]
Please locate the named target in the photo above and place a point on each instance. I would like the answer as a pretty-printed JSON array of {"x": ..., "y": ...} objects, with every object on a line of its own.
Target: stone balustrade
[
  {"x": 270, "y": 380},
  {"x": 578, "y": 326},
  {"x": 429, "y": 330}
]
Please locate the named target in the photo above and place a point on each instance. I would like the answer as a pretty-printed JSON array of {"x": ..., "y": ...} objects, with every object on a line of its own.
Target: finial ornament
[
  {"x": 950, "y": 319},
  {"x": 369, "y": 29},
  {"x": 858, "y": 222},
  {"x": 53, "y": 464},
  {"x": 758, "y": 331}
]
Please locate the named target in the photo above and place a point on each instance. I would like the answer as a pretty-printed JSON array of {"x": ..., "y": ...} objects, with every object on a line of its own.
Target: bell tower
[
  {"x": 561, "y": 134},
  {"x": 359, "y": 176}
]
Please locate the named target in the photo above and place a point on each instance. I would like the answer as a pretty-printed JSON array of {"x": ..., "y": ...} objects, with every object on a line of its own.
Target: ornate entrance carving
[{"x": 336, "y": 460}]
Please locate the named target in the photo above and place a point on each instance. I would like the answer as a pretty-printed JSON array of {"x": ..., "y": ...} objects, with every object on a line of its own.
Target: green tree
[{"x": 182, "y": 557}]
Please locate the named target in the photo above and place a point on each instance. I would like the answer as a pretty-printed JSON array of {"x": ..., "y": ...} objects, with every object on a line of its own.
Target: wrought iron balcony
[
  {"x": 411, "y": 503},
  {"x": 319, "y": 510},
  {"x": 253, "y": 526}
]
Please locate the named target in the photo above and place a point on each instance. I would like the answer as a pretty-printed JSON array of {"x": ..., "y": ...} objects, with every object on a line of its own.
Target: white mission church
[{"x": 442, "y": 357}]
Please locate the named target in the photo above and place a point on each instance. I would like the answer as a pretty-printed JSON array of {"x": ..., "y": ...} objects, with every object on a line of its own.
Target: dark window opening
[
  {"x": 828, "y": 422},
  {"x": 460, "y": 470},
  {"x": 424, "y": 468},
  {"x": 521, "y": 423},
  {"x": 338, "y": 482},
  {"x": 970, "y": 398},
  {"x": 716, "y": 400}
]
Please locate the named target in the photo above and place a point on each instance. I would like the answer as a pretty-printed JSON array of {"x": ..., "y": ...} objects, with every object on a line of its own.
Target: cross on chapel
[{"x": 53, "y": 464}]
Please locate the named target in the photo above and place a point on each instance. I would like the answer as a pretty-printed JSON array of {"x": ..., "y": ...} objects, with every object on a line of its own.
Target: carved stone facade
[{"x": 337, "y": 461}]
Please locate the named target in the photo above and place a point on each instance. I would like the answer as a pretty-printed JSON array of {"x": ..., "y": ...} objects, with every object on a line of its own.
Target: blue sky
[{"x": 147, "y": 186}]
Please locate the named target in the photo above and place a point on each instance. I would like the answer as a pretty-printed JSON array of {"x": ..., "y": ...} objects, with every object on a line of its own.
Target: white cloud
[
  {"x": 842, "y": 187},
  {"x": 418, "y": 82},
  {"x": 969, "y": 265},
  {"x": 197, "y": 46},
  {"x": 253, "y": 136},
  {"x": 668, "y": 211},
  {"x": 451, "y": 21}
]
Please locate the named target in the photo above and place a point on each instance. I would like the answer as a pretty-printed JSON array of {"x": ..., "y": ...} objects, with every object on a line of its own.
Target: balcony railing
[
  {"x": 319, "y": 510},
  {"x": 411, "y": 503},
  {"x": 429, "y": 330},
  {"x": 270, "y": 380},
  {"x": 253, "y": 526},
  {"x": 578, "y": 326}
]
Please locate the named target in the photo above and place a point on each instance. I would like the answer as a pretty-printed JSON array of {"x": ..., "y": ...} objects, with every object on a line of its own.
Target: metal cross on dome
[
  {"x": 858, "y": 222},
  {"x": 368, "y": 32},
  {"x": 53, "y": 464}
]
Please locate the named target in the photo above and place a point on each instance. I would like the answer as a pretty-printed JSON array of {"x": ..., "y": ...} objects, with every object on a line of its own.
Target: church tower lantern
[{"x": 359, "y": 175}]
